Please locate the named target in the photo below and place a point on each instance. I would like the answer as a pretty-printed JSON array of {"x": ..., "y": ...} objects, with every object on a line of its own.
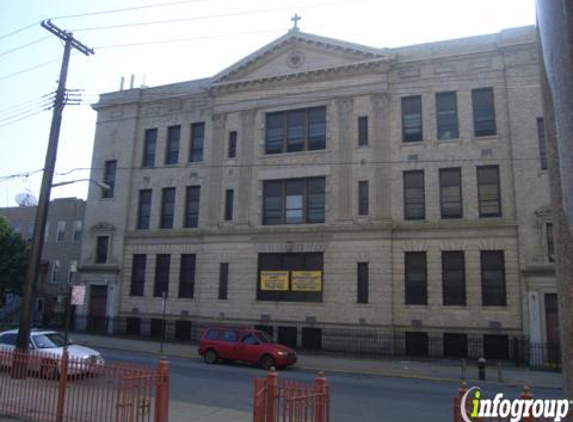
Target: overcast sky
[{"x": 166, "y": 41}]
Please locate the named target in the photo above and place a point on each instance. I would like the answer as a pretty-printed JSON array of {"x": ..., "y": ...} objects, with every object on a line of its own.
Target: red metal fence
[
  {"x": 52, "y": 388},
  {"x": 290, "y": 401}
]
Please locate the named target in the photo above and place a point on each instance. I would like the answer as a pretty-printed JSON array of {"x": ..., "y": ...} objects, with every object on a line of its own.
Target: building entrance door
[
  {"x": 96, "y": 313},
  {"x": 552, "y": 327}
]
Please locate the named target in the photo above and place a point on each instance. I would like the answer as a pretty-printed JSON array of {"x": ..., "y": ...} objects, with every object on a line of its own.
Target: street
[{"x": 354, "y": 398}]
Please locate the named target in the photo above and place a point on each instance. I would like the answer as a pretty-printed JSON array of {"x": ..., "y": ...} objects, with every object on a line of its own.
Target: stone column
[
  {"x": 247, "y": 154},
  {"x": 345, "y": 106},
  {"x": 216, "y": 170},
  {"x": 381, "y": 156}
]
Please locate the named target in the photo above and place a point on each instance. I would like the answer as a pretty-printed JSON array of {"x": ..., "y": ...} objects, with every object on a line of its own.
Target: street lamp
[{"x": 23, "y": 338}]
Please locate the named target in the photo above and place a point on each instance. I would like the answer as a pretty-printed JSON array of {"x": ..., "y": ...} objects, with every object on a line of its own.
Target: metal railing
[{"x": 47, "y": 387}]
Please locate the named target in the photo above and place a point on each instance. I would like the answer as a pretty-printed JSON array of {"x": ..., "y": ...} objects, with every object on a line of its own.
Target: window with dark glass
[
  {"x": 414, "y": 196},
  {"x": 542, "y": 142},
  {"x": 453, "y": 278},
  {"x": 109, "y": 178},
  {"x": 102, "y": 246},
  {"x": 290, "y": 262},
  {"x": 447, "y": 115},
  {"x": 493, "y": 278},
  {"x": 144, "y": 209},
  {"x": 232, "y": 144},
  {"x": 192, "y": 197},
  {"x": 416, "y": 290},
  {"x": 363, "y": 197},
  {"x": 295, "y": 130},
  {"x": 451, "y": 193},
  {"x": 489, "y": 192},
  {"x": 187, "y": 276},
  {"x": 172, "y": 151},
  {"x": 167, "y": 208},
  {"x": 223, "y": 280},
  {"x": 484, "y": 112},
  {"x": 197, "y": 142},
  {"x": 550, "y": 242},
  {"x": 412, "y": 118},
  {"x": 363, "y": 131},
  {"x": 138, "y": 275},
  {"x": 161, "y": 285},
  {"x": 362, "y": 282},
  {"x": 229, "y": 199},
  {"x": 149, "y": 145},
  {"x": 294, "y": 201}
]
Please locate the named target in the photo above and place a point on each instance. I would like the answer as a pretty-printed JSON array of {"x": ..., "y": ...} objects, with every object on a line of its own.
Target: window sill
[
  {"x": 486, "y": 138},
  {"x": 448, "y": 141},
  {"x": 412, "y": 144},
  {"x": 295, "y": 153}
]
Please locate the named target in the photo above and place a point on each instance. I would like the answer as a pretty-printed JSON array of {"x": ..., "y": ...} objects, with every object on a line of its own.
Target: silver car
[{"x": 51, "y": 343}]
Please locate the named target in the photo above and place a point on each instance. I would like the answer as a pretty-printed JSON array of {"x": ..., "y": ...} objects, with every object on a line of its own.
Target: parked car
[
  {"x": 50, "y": 346},
  {"x": 245, "y": 345}
]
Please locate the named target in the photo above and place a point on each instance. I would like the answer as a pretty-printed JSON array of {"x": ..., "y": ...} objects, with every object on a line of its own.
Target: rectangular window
[
  {"x": 167, "y": 208},
  {"x": 172, "y": 148},
  {"x": 542, "y": 142},
  {"x": 232, "y": 144},
  {"x": 412, "y": 118},
  {"x": 47, "y": 232},
  {"x": 55, "y": 271},
  {"x": 493, "y": 278},
  {"x": 294, "y": 201},
  {"x": 149, "y": 145},
  {"x": 109, "y": 170},
  {"x": 414, "y": 196},
  {"x": 161, "y": 284},
  {"x": 363, "y": 197},
  {"x": 187, "y": 276},
  {"x": 362, "y": 282},
  {"x": 197, "y": 142},
  {"x": 223, "y": 280},
  {"x": 484, "y": 112},
  {"x": 550, "y": 242},
  {"x": 192, "y": 197},
  {"x": 144, "y": 209},
  {"x": 299, "y": 272},
  {"x": 453, "y": 278},
  {"x": 416, "y": 290},
  {"x": 77, "y": 236},
  {"x": 72, "y": 272},
  {"x": 362, "y": 131},
  {"x": 229, "y": 196},
  {"x": 489, "y": 192},
  {"x": 102, "y": 245},
  {"x": 295, "y": 130},
  {"x": 451, "y": 193},
  {"x": 447, "y": 115},
  {"x": 61, "y": 231},
  {"x": 138, "y": 275}
]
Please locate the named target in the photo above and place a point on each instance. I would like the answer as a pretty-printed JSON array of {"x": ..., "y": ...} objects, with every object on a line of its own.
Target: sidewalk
[{"x": 403, "y": 368}]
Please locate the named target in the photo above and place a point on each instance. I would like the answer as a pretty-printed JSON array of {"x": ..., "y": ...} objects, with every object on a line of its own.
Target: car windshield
[
  {"x": 49, "y": 340},
  {"x": 264, "y": 337}
]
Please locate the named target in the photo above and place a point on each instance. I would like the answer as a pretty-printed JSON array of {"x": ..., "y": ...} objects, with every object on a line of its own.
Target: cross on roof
[{"x": 295, "y": 19}]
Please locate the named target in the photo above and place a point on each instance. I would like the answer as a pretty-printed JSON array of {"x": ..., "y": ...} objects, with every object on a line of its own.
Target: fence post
[
  {"x": 458, "y": 401},
  {"x": 162, "y": 391},
  {"x": 272, "y": 391},
  {"x": 62, "y": 386},
  {"x": 526, "y": 395},
  {"x": 321, "y": 402}
]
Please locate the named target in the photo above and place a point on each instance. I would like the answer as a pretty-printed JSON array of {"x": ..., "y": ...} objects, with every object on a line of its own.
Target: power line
[
  {"x": 24, "y": 117},
  {"x": 16, "y": 113},
  {"x": 11, "y": 75},
  {"x": 25, "y": 103},
  {"x": 19, "y": 30},
  {"x": 24, "y": 46}
]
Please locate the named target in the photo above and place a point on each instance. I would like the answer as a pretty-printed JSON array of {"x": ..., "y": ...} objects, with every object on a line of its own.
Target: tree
[{"x": 13, "y": 259}]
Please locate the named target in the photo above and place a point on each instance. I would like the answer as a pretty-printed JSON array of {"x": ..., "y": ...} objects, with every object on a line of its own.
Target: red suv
[{"x": 246, "y": 345}]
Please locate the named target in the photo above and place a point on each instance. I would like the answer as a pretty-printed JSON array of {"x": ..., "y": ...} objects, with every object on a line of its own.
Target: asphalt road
[{"x": 354, "y": 398}]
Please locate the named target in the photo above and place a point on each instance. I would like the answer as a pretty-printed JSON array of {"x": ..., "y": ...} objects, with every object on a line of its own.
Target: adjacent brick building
[{"x": 319, "y": 186}]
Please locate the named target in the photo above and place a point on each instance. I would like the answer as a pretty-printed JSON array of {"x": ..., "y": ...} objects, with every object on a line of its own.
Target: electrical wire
[
  {"x": 24, "y": 117},
  {"x": 11, "y": 75},
  {"x": 25, "y": 45},
  {"x": 19, "y": 30}
]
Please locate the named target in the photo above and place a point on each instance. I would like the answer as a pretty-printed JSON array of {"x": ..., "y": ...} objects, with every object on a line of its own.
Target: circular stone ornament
[{"x": 295, "y": 59}]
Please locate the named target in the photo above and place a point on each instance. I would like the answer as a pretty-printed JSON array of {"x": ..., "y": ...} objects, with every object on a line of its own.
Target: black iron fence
[{"x": 357, "y": 341}]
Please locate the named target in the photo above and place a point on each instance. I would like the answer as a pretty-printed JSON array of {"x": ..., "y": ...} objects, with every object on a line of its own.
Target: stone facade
[{"x": 301, "y": 71}]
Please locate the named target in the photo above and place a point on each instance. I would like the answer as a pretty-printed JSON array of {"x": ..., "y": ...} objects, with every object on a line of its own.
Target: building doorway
[
  {"x": 97, "y": 309},
  {"x": 552, "y": 328}
]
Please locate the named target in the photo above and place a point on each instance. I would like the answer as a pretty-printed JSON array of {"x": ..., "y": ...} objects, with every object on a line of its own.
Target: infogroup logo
[{"x": 512, "y": 410}]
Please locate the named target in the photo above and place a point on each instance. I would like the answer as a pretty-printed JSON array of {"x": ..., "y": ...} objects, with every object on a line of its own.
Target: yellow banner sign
[
  {"x": 307, "y": 281},
  {"x": 274, "y": 280}
]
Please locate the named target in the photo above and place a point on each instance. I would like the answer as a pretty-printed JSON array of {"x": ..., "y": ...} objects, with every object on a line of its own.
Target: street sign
[{"x": 78, "y": 295}]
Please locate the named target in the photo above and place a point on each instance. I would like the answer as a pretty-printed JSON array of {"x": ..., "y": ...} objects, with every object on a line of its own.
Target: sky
[{"x": 167, "y": 41}]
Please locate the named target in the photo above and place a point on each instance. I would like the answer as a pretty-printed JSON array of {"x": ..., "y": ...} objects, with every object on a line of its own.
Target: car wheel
[
  {"x": 211, "y": 356},
  {"x": 267, "y": 362}
]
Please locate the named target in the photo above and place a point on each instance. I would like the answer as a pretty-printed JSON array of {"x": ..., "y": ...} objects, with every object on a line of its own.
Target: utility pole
[
  {"x": 23, "y": 339},
  {"x": 555, "y": 43}
]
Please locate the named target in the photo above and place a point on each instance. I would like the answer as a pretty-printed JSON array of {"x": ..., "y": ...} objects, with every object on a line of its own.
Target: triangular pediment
[{"x": 298, "y": 52}]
